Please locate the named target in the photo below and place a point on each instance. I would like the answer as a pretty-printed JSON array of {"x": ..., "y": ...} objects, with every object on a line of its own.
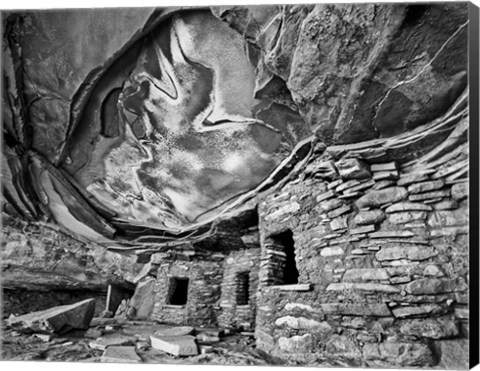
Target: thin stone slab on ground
[
  {"x": 175, "y": 331},
  {"x": 103, "y": 343},
  {"x": 175, "y": 345},
  {"x": 57, "y": 319},
  {"x": 121, "y": 354}
]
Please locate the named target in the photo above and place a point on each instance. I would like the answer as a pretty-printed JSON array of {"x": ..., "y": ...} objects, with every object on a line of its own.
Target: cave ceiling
[{"x": 137, "y": 126}]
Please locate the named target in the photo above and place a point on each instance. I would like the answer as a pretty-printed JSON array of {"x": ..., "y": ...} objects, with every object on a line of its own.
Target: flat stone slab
[
  {"x": 427, "y": 186},
  {"x": 352, "y": 168},
  {"x": 302, "y": 323},
  {"x": 175, "y": 331},
  {"x": 211, "y": 331},
  {"x": 390, "y": 234},
  {"x": 99, "y": 321},
  {"x": 408, "y": 179},
  {"x": 415, "y": 311},
  {"x": 408, "y": 206},
  {"x": 103, "y": 343},
  {"x": 384, "y": 166},
  {"x": 410, "y": 252},
  {"x": 206, "y": 338},
  {"x": 365, "y": 275},
  {"x": 369, "y": 217},
  {"x": 340, "y": 211},
  {"x": 390, "y": 174},
  {"x": 57, "y": 319},
  {"x": 348, "y": 309},
  {"x": 175, "y": 345},
  {"x": 120, "y": 354},
  {"x": 364, "y": 229},
  {"x": 374, "y": 287},
  {"x": 429, "y": 195},
  {"x": 295, "y": 287}
]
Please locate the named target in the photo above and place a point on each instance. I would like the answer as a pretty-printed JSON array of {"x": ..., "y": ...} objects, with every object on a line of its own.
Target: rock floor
[{"x": 234, "y": 349}]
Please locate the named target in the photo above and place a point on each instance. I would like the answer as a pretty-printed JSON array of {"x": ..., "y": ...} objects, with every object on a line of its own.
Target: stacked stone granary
[
  {"x": 384, "y": 254},
  {"x": 362, "y": 254}
]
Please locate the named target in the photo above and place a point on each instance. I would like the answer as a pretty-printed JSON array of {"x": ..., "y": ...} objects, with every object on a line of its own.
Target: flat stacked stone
[
  {"x": 352, "y": 168},
  {"x": 369, "y": 217},
  {"x": 427, "y": 186},
  {"x": 407, "y": 206},
  {"x": 437, "y": 195},
  {"x": 383, "y": 184},
  {"x": 381, "y": 197}
]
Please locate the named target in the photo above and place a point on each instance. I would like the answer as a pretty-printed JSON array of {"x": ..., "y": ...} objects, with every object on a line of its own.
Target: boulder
[
  {"x": 58, "y": 319},
  {"x": 143, "y": 299}
]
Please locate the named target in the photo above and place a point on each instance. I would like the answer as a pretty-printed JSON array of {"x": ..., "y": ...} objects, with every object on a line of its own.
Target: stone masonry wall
[
  {"x": 232, "y": 314},
  {"x": 382, "y": 259},
  {"x": 205, "y": 277}
]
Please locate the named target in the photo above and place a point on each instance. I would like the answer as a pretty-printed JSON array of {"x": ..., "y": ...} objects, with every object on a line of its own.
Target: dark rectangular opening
[
  {"x": 285, "y": 243},
  {"x": 178, "y": 291},
  {"x": 242, "y": 288}
]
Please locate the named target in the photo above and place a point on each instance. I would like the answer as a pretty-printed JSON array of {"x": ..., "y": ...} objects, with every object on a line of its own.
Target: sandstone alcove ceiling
[
  {"x": 178, "y": 120},
  {"x": 163, "y": 137}
]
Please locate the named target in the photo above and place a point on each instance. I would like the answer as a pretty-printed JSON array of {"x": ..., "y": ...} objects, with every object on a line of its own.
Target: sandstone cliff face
[
  {"x": 358, "y": 72},
  {"x": 38, "y": 257},
  {"x": 341, "y": 130}
]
